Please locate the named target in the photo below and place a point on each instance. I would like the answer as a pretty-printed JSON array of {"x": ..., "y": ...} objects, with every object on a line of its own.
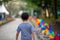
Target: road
[{"x": 8, "y": 31}]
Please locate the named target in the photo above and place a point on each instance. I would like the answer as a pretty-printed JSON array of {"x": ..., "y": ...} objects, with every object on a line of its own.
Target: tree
[
  {"x": 55, "y": 9},
  {"x": 47, "y": 4},
  {"x": 6, "y": 0},
  {"x": 42, "y": 3}
]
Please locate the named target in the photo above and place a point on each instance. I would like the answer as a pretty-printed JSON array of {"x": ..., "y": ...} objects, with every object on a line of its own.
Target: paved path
[{"x": 8, "y": 31}]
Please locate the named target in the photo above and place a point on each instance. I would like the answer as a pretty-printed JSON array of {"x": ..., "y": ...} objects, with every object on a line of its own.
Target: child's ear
[{"x": 30, "y": 17}]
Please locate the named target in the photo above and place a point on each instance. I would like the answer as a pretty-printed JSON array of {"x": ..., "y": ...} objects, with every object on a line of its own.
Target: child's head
[{"x": 25, "y": 16}]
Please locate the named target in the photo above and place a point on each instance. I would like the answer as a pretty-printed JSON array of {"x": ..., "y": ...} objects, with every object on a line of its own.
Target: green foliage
[
  {"x": 58, "y": 4},
  {"x": 6, "y": 0},
  {"x": 38, "y": 3},
  {"x": 31, "y": 4}
]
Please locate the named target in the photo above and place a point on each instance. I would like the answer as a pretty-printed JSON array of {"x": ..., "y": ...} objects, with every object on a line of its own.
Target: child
[{"x": 27, "y": 30}]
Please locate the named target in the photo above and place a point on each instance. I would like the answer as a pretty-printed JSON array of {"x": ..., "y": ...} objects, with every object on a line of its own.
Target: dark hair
[{"x": 24, "y": 16}]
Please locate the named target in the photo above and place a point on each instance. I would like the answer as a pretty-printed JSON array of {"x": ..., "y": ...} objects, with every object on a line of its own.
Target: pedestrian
[{"x": 26, "y": 28}]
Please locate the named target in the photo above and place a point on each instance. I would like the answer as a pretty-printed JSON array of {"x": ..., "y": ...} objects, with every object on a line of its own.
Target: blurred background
[{"x": 10, "y": 11}]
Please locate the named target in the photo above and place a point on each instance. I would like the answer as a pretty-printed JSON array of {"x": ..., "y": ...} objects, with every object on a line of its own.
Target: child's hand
[
  {"x": 17, "y": 34},
  {"x": 33, "y": 35}
]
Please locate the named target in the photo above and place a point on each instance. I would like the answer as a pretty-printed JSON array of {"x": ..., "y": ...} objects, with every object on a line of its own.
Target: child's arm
[
  {"x": 17, "y": 34},
  {"x": 32, "y": 32},
  {"x": 33, "y": 35}
]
